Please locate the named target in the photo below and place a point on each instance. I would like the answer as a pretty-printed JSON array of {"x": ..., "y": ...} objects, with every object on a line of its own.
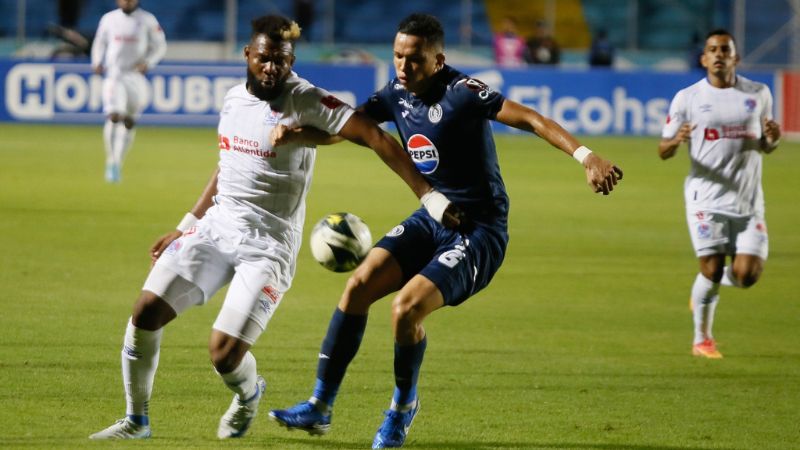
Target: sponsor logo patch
[
  {"x": 331, "y": 102},
  {"x": 423, "y": 153},
  {"x": 271, "y": 293}
]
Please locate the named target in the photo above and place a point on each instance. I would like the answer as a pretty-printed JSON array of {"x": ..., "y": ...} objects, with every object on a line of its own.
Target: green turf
[{"x": 582, "y": 340}]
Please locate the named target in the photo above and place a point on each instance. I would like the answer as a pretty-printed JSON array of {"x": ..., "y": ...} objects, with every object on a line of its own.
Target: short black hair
[
  {"x": 720, "y": 32},
  {"x": 425, "y": 26},
  {"x": 277, "y": 28}
]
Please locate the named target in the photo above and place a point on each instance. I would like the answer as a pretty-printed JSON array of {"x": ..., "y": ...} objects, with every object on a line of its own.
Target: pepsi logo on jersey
[{"x": 423, "y": 153}]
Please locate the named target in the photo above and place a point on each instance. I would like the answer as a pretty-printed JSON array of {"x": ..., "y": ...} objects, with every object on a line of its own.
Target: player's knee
[
  {"x": 129, "y": 122},
  {"x": 406, "y": 310},
  {"x": 712, "y": 270},
  {"x": 748, "y": 277},
  {"x": 223, "y": 360},
  {"x": 151, "y": 312},
  {"x": 114, "y": 117},
  {"x": 225, "y": 351},
  {"x": 356, "y": 297}
]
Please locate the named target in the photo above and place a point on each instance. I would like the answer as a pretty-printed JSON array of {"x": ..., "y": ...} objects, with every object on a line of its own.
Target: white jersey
[
  {"x": 725, "y": 174},
  {"x": 124, "y": 40},
  {"x": 264, "y": 187}
]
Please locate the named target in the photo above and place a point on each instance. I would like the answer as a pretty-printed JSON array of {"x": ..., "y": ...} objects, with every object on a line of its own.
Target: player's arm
[
  {"x": 362, "y": 130},
  {"x": 771, "y": 135},
  {"x": 99, "y": 48},
  {"x": 199, "y": 210},
  {"x": 601, "y": 175},
  {"x": 282, "y": 135},
  {"x": 667, "y": 147},
  {"x": 157, "y": 47}
]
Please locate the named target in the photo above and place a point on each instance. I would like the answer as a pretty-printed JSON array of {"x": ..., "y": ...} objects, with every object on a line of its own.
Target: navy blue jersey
[{"x": 448, "y": 135}]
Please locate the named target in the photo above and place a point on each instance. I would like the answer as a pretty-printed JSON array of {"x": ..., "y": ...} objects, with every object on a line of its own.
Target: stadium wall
[{"x": 583, "y": 101}]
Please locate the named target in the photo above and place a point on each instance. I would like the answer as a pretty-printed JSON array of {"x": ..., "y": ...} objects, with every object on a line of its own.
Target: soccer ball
[{"x": 340, "y": 241}]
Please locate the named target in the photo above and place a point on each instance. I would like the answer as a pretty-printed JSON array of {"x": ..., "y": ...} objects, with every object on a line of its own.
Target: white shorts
[
  {"x": 714, "y": 233},
  {"x": 210, "y": 255},
  {"x": 125, "y": 93}
]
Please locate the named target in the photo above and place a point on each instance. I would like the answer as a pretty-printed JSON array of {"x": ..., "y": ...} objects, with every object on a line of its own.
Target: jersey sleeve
[
  {"x": 100, "y": 42},
  {"x": 676, "y": 116},
  {"x": 320, "y": 109},
  {"x": 766, "y": 113},
  {"x": 478, "y": 97},
  {"x": 377, "y": 106},
  {"x": 157, "y": 42}
]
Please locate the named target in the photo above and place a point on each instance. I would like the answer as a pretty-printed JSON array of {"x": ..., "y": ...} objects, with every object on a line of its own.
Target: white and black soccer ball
[{"x": 340, "y": 241}]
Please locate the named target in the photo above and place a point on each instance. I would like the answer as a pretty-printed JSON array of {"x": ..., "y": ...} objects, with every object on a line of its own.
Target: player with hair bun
[{"x": 246, "y": 228}]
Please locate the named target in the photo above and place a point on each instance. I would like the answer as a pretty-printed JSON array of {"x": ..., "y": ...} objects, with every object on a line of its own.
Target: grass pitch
[{"x": 581, "y": 341}]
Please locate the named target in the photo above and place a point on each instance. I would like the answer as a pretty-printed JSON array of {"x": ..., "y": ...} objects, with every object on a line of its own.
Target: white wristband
[
  {"x": 187, "y": 222},
  {"x": 436, "y": 203},
  {"x": 581, "y": 153}
]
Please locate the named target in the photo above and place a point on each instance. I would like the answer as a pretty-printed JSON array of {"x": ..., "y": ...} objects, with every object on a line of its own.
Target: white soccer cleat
[
  {"x": 123, "y": 429},
  {"x": 237, "y": 419}
]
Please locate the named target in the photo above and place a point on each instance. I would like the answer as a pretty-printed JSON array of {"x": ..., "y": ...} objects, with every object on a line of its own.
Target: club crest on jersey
[
  {"x": 423, "y": 153},
  {"x": 750, "y": 105},
  {"x": 396, "y": 231},
  {"x": 435, "y": 113},
  {"x": 272, "y": 118}
]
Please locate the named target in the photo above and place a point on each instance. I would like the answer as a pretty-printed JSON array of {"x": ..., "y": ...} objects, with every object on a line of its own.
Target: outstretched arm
[
  {"x": 601, "y": 175},
  {"x": 199, "y": 210},
  {"x": 364, "y": 131},
  {"x": 282, "y": 135}
]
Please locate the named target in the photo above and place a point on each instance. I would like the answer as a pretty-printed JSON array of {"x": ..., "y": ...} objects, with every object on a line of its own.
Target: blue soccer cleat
[
  {"x": 112, "y": 173},
  {"x": 303, "y": 416},
  {"x": 394, "y": 428}
]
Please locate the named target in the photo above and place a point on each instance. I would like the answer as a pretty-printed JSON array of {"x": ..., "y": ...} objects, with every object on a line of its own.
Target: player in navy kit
[{"x": 443, "y": 119}]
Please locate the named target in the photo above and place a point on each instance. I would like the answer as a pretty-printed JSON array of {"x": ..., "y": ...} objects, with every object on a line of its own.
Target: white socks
[
  {"x": 242, "y": 380},
  {"x": 139, "y": 363},
  {"x": 118, "y": 141},
  {"x": 123, "y": 143},
  {"x": 109, "y": 136},
  {"x": 705, "y": 295}
]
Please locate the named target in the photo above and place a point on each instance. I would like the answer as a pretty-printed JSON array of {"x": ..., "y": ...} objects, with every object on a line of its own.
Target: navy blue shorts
[{"x": 459, "y": 263}]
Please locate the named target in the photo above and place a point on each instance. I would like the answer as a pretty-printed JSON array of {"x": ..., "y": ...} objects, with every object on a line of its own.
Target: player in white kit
[
  {"x": 727, "y": 121},
  {"x": 129, "y": 41},
  {"x": 246, "y": 227}
]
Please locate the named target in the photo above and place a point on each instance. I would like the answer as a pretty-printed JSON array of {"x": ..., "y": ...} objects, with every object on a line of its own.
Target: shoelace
[
  {"x": 394, "y": 423},
  {"x": 242, "y": 414},
  {"x": 302, "y": 409},
  {"x": 125, "y": 427}
]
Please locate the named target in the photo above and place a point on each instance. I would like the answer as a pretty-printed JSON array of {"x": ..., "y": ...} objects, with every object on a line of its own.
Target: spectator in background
[
  {"x": 602, "y": 51},
  {"x": 542, "y": 48},
  {"x": 304, "y": 15},
  {"x": 509, "y": 47},
  {"x": 69, "y": 11}
]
